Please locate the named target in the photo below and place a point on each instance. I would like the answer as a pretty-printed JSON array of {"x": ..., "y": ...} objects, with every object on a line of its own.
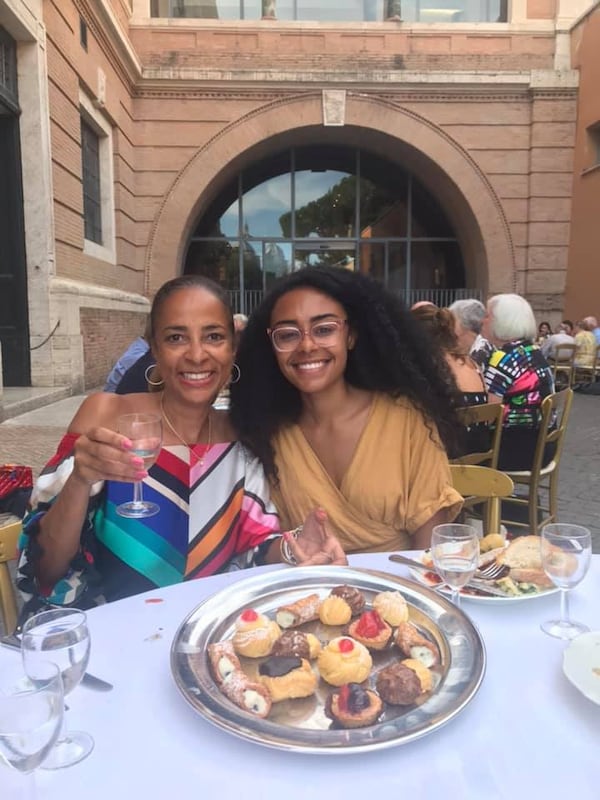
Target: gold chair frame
[
  {"x": 564, "y": 366},
  {"x": 556, "y": 409},
  {"x": 483, "y": 485},
  {"x": 490, "y": 413},
  {"x": 9, "y": 535}
]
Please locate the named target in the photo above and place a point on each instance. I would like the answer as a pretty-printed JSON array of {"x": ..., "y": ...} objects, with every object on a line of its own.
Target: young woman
[
  {"x": 347, "y": 409},
  {"x": 214, "y": 503}
]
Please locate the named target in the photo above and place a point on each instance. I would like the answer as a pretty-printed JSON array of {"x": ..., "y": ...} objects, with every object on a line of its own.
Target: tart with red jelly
[
  {"x": 371, "y": 630},
  {"x": 353, "y": 706}
]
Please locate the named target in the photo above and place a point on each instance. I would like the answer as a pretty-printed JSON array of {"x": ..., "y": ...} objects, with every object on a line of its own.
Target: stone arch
[{"x": 416, "y": 143}]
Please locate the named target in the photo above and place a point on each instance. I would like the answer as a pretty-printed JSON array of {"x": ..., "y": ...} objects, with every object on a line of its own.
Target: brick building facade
[{"x": 483, "y": 116}]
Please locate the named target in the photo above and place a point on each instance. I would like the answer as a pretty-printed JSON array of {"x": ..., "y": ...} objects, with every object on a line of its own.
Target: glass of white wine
[
  {"x": 31, "y": 715},
  {"x": 60, "y": 635},
  {"x": 566, "y": 554},
  {"x": 145, "y": 433},
  {"x": 455, "y": 555}
]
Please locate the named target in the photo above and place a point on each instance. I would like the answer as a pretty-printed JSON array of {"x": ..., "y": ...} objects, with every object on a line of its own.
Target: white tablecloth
[{"x": 527, "y": 733}]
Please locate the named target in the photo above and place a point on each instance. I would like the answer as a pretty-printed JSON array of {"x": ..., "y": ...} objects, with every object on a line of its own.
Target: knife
[
  {"x": 483, "y": 586},
  {"x": 89, "y": 680}
]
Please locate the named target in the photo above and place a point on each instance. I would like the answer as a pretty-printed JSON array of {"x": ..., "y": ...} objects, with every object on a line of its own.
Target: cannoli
[
  {"x": 304, "y": 610},
  {"x": 287, "y": 677},
  {"x": 416, "y": 646},
  {"x": 248, "y": 695},
  {"x": 223, "y": 660},
  {"x": 334, "y": 610}
]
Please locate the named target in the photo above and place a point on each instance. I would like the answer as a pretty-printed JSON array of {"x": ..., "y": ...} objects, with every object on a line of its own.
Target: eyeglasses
[{"x": 324, "y": 334}]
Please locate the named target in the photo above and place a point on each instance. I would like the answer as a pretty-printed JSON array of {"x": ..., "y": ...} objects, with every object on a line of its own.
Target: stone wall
[{"x": 106, "y": 335}]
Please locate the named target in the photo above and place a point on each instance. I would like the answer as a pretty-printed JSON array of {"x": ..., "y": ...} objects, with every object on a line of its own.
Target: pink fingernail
[
  {"x": 127, "y": 444},
  {"x": 139, "y": 476}
]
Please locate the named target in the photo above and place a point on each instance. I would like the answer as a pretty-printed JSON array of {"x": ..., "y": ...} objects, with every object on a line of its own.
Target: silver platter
[{"x": 301, "y": 725}]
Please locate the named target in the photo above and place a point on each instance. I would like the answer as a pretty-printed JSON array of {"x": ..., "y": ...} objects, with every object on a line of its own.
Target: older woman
[
  {"x": 341, "y": 399},
  {"x": 517, "y": 375},
  {"x": 214, "y": 503},
  {"x": 469, "y": 316}
]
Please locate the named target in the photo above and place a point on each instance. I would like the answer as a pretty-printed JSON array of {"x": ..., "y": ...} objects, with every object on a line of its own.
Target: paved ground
[{"x": 32, "y": 437}]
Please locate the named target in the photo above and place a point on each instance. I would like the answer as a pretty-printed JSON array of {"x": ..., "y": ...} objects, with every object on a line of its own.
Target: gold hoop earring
[
  {"x": 147, "y": 376},
  {"x": 238, "y": 375}
]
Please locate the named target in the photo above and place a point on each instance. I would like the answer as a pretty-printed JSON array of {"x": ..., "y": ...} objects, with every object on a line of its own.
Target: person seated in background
[
  {"x": 518, "y": 376},
  {"x": 347, "y": 407},
  {"x": 586, "y": 344},
  {"x": 136, "y": 350},
  {"x": 544, "y": 331},
  {"x": 592, "y": 323},
  {"x": 469, "y": 316},
  {"x": 563, "y": 335},
  {"x": 214, "y": 512},
  {"x": 465, "y": 375}
]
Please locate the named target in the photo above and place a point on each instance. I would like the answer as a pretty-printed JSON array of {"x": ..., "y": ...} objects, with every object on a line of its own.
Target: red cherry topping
[
  {"x": 344, "y": 697},
  {"x": 249, "y": 615},
  {"x": 346, "y": 645},
  {"x": 369, "y": 625}
]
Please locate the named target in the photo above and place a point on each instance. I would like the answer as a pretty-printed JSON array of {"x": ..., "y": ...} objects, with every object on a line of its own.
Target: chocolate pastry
[
  {"x": 353, "y": 706},
  {"x": 398, "y": 685},
  {"x": 287, "y": 677},
  {"x": 292, "y": 643},
  {"x": 352, "y": 596}
]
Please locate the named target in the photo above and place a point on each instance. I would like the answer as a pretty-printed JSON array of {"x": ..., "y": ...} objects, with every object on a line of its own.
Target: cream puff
[
  {"x": 344, "y": 660},
  {"x": 335, "y": 610},
  {"x": 255, "y": 634},
  {"x": 391, "y": 607}
]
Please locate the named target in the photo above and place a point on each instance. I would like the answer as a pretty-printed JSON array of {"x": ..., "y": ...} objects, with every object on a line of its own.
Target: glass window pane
[
  {"x": 428, "y": 219},
  {"x": 325, "y": 203},
  {"x": 397, "y": 267},
  {"x": 332, "y": 11},
  {"x": 372, "y": 260},
  {"x": 383, "y": 198},
  {"x": 436, "y": 265},
  {"x": 277, "y": 260},
  {"x": 267, "y": 207},
  {"x": 217, "y": 259}
]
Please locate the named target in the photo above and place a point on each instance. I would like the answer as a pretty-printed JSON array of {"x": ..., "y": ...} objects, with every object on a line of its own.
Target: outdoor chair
[
  {"x": 482, "y": 485},
  {"x": 588, "y": 374},
  {"x": 563, "y": 365},
  {"x": 9, "y": 534},
  {"x": 489, "y": 414},
  {"x": 555, "y": 416}
]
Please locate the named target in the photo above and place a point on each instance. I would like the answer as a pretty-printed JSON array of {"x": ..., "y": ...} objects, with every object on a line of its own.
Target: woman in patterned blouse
[{"x": 518, "y": 376}]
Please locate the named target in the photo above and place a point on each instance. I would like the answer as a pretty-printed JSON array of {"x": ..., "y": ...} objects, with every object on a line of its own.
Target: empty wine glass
[
  {"x": 455, "y": 555},
  {"x": 31, "y": 715},
  {"x": 145, "y": 432},
  {"x": 60, "y": 635},
  {"x": 566, "y": 554}
]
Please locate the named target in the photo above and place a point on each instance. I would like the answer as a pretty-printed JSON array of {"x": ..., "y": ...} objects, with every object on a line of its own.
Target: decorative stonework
[
  {"x": 393, "y": 11},
  {"x": 268, "y": 9},
  {"x": 334, "y": 106}
]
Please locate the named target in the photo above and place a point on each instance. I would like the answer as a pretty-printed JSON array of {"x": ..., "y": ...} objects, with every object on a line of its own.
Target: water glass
[{"x": 455, "y": 555}]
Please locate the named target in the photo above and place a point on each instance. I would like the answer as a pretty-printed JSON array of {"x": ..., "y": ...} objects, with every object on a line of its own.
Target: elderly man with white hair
[
  {"x": 469, "y": 316},
  {"x": 593, "y": 326},
  {"x": 518, "y": 376}
]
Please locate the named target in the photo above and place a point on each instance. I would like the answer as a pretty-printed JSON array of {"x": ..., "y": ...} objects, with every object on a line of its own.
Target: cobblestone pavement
[{"x": 31, "y": 439}]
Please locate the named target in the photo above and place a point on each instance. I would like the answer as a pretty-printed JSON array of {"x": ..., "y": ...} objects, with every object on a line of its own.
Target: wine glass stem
[
  {"x": 137, "y": 493},
  {"x": 455, "y": 596},
  {"x": 564, "y": 606}
]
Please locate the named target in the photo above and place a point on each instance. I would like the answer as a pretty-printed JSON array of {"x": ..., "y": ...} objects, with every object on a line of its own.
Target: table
[{"x": 527, "y": 733}]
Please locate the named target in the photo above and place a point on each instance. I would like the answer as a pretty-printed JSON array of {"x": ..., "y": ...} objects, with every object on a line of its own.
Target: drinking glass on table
[
  {"x": 455, "y": 555},
  {"x": 145, "y": 432},
  {"x": 31, "y": 715},
  {"x": 566, "y": 554},
  {"x": 60, "y": 635}
]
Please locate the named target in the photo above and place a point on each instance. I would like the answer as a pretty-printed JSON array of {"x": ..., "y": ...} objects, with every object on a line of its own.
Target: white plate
[
  {"x": 580, "y": 660},
  {"x": 421, "y": 577}
]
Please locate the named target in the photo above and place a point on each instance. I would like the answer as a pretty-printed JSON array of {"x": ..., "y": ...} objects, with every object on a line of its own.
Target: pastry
[
  {"x": 286, "y": 677},
  {"x": 248, "y": 695},
  {"x": 354, "y": 598},
  {"x": 255, "y": 634},
  {"x": 334, "y": 610},
  {"x": 416, "y": 646},
  {"x": 398, "y": 685},
  {"x": 223, "y": 660},
  {"x": 304, "y": 610},
  {"x": 297, "y": 643},
  {"x": 391, "y": 607},
  {"x": 344, "y": 660},
  {"x": 422, "y": 673},
  {"x": 369, "y": 629},
  {"x": 353, "y": 706}
]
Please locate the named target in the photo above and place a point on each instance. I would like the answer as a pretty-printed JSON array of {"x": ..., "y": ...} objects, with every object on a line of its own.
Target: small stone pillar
[
  {"x": 269, "y": 9},
  {"x": 393, "y": 11}
]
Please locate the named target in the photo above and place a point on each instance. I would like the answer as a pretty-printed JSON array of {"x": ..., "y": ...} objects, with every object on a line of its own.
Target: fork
[{"x": 492, "y": 572}]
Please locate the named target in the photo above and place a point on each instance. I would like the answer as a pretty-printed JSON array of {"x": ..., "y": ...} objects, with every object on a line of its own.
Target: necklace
[{"x": 199, "y": 459}]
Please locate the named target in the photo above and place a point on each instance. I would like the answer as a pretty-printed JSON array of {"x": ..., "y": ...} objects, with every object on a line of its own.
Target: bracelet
[{"x": 286, "y": 551}]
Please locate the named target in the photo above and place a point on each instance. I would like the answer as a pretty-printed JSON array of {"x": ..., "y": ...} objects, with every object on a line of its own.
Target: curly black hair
[{"x": 392, "y": 355}]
